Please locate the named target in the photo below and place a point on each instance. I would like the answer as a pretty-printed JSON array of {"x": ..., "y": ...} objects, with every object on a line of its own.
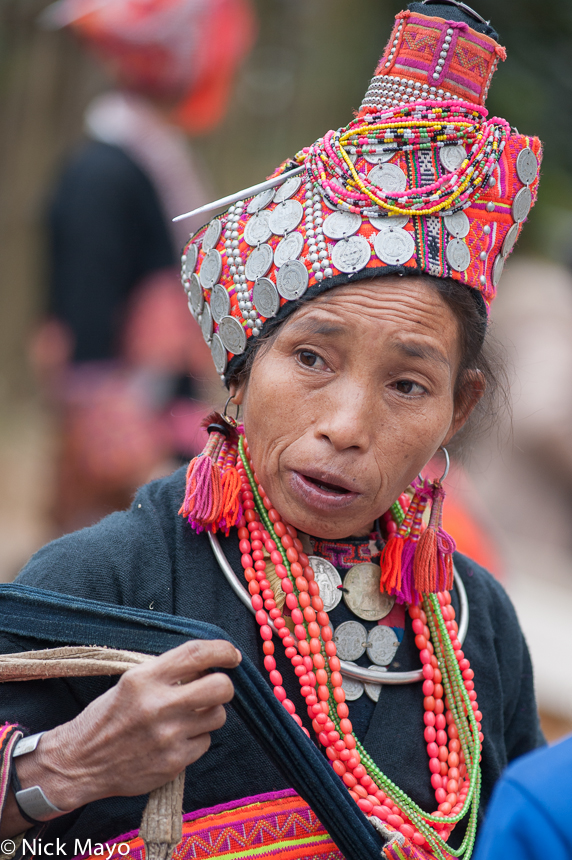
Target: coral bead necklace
[{"x": 452, "y": 729}]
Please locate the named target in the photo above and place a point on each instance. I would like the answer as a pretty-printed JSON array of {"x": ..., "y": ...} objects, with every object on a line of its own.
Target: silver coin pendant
[
  {"x": 351, "y": 255},
  {"x": 389, "y": 177},
  {"x": 220, "y": 302},
  {"x": 210, "y": 270},
  {"x": 394, "y": 246},
  {"x": 287, "y": 189},
  {"x": 292, "y": 280},
  {"x": 260, "y": 201},
  {"x": 257, "y": 230},
  {"x": 458, "y": 255},
  {"x": 526, "y": 165},
  {"x": 353, "y": 688},
  {"x": 259, "y": 262},
  {"x": 218, "y": 353},
  {"x": 288, "y": 248},
  {"x": 265, "y": 298},
  {"x": 510, "y": 240},
  {"x": 362, "y": 595},
  {"x": 232, "y": 335},
  {"x": 341, "y": 225},
  {"x": 382, "y": 643},
  {"x": 457, "y": 224},
  {"x": 452, "y": 156},
  {"x": 328, "y": 580},
  {"x": 351, "y": 640},
  {"x": 212, "y": 235}
]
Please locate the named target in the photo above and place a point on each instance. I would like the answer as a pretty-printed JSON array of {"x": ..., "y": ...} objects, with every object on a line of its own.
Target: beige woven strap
[{"x": 161, "y": 825}]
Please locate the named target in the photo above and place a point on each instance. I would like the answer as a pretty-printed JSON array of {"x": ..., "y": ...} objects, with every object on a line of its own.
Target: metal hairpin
[
  {"x": 242, "y": 195},
  {"x": 459, "y": 5}
]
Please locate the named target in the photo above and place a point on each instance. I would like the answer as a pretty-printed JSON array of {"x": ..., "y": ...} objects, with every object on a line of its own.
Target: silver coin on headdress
[
  {"x": 257, "y": 230},
  {"x": 232, "y": 335},
  {"x": 351, "y": 640},
  {"x": 328, "y": 580},
  {"x": 362, "y": 594},
  {"x": 210, "y": 270},
  {"x": 207, "y": 323},
  {"x": 286, "y": 217},
  {"x": 352, "y": 687},
  {"x": 287, "y": 189},
  {"x": 388, "y": 177},
  {"x": 521, "y": 204},
  {"x": 218, "y": 353},
  {"x": 452, "y": 156},
  {"x": 373, "y": 691},
  {"x": 394, "y": 247},
  {"x": 458, "y": 255},
  {"x": 288, "y": 248},
  {"x": 382, "y": 643},
  {"x": 265, "y": 298},
  {"x": 212, "y": 235},
  {"x": 196, "y": 299},
  {"x": 220, "y": 303},
  {"x": 457, "y": 224},
  {"x": 526, "y": 165},
  {"x": 190, "y": 260},
  {"x": 351, "y": 255},
  {"x": 259, "y": 262},
  {"x": 388, "y": 222},
  {"x": 292, "y": 280},
  {"x": 261, "y": 201},
  {"x": 379, "y": 157},
  {"x": 509, "y": 240},
  {"x": 340, "y": 225},
  {"x": 498, "y": 266}
]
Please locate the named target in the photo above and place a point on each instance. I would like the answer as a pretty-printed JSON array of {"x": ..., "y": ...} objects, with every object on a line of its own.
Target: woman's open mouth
[
  {"x": 325, "y": 485},
  {"x": 316, "y": 491}
]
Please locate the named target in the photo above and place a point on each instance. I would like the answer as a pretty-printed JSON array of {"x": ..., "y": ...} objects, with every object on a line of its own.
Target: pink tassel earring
[{"x": 213, "y": 484}]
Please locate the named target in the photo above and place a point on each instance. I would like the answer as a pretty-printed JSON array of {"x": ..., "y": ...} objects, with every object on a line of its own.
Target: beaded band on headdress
[{"x": 420, "y": 181}]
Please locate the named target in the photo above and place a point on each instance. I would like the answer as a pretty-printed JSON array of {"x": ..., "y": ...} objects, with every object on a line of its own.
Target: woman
[{"x": 350, "y": 332}]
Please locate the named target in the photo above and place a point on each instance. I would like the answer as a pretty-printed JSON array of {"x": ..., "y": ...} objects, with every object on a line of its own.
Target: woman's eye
[
  {"x": 309, "y": 358},
  {"x": 406, "y": 386}
]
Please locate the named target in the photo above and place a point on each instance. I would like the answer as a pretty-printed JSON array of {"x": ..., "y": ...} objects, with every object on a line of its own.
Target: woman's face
[{"x": 349, "y": 402}]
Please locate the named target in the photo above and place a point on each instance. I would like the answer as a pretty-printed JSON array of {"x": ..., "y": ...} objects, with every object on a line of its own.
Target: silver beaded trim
[
  {"x": 387, "y": 91},
  {"x": 443, "y": 54},
  {"x": 237, "y": 270},
  {"x": 394, "y": 44},
  {"x": 317, "y": 245}
]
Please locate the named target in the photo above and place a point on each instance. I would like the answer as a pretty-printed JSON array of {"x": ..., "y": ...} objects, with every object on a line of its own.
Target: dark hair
[{"x": 479, "y": 352}]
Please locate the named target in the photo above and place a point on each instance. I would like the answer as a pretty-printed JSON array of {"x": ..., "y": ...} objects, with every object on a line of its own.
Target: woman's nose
[{"x": 346, "y": 418}]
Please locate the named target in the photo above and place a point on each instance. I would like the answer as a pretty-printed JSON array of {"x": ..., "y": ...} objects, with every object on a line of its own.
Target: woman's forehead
[{"x": 411, "y": 302}]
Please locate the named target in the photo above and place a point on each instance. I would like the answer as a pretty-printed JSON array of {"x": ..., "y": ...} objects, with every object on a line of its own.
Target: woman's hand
[{"x": 136, "y": 736}]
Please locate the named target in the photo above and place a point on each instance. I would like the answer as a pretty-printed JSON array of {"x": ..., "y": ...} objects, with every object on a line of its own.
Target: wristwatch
[{"x": 32, "y": 802}]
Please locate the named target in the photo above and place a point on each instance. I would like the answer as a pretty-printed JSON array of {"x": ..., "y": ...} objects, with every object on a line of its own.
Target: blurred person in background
[
  {"x": 529, "y": 814},
  {"x": 119, "y": 352}
]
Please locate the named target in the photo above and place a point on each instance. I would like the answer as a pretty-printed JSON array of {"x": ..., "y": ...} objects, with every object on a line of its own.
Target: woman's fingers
[{"x": 191, "y": 659}]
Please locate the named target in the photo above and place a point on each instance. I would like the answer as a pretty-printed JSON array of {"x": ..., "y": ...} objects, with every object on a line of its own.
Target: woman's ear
[
  {"x": 236, "y": 391},
  {"x": 472, "y": 390}
]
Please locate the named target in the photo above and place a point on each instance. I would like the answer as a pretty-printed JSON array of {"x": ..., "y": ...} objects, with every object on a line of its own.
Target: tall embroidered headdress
[{"x": 422, "y": 180}]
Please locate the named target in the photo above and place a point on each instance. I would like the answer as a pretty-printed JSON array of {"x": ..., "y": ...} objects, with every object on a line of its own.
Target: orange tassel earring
[{"x": 433, "y": 561}]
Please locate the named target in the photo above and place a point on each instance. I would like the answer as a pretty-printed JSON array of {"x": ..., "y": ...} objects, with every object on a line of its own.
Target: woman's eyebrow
[
  {"x": 422, "y": 350},
  {"x": 313, "y": 326}
]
